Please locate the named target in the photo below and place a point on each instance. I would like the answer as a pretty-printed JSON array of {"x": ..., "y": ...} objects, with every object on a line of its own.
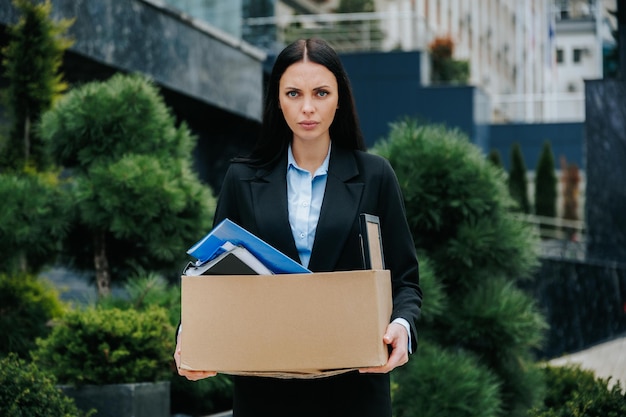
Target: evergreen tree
[
  {"x": 33, "y": 221},
  {"x": 518, "y": 184},
  {"x": 32, "y": 61},
  {"x": 478, "y": 328},
  {"x": 138, "y": 203},
  {"x": 495, "y": 158},
  {"x": 545, "y": 185}
]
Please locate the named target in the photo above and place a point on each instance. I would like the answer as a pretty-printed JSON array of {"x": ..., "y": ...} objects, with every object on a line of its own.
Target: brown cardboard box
[{"x": 291, "y": 325}]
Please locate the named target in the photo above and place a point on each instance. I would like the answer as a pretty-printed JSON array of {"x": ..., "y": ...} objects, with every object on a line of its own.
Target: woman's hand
[
  {"x": 190, "y": 375},
  {"x": 396, "y": 336}
]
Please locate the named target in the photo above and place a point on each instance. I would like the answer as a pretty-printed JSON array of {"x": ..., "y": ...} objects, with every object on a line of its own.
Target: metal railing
[
  {"x": 547, "y": 107},
  {"x": 560, "y": 238},
  {"x": 347, "y": 32}
]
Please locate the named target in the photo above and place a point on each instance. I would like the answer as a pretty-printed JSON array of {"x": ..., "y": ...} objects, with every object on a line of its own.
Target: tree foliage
[
  {"x": 138, "y": 202},
  {"x": 35, "y": 217},
  {"x": 518, "y": 183},
  {"x": 26, "y": 390},
  {"x": 545, "y": 183},
  {"x": 32, "y": 61},
  {"x": 473, "y": 251},
  {"x": 495, "y": 158},
  {"x": 28, "y": 305}
]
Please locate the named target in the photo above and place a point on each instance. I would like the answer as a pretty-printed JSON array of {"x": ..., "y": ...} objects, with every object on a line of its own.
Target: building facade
[{"x": 512, "y": 46}]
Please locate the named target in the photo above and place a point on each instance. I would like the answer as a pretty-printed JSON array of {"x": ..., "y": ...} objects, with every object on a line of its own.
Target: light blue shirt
[{"x": 305, "y": 193}]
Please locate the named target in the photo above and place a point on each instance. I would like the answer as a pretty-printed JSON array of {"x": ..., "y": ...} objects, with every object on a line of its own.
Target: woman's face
[{"x": 308, "y": 97}]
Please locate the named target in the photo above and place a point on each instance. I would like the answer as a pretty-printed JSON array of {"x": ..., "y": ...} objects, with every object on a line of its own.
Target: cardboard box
[{"x": 289, "y": 325}]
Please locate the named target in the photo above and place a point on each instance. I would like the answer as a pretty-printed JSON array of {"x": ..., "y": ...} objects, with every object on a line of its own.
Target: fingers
[
  {"x": 397, "y": 337},
  {"x": 196, "y": 375},
  {"x": 190, "y": 375}
]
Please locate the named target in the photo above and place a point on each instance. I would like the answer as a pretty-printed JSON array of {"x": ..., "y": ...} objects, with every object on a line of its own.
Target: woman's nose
[{"x": 307, "y": 105}]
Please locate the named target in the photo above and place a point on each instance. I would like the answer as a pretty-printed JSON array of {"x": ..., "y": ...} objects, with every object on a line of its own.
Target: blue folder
[{"x": 227, "y": 231}]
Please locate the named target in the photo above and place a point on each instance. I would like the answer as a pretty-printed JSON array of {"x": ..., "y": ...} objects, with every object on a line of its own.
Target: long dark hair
[{"x": 345, "y": 131}]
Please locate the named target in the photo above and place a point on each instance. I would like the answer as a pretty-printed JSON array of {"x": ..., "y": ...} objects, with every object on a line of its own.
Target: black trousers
[{"x": 346, "y": 395}]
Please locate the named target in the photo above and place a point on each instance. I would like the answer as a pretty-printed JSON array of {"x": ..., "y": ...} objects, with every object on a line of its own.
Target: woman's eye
[
  {"x": 322, "y": 93},
  {"x": 292, "y": 94}
]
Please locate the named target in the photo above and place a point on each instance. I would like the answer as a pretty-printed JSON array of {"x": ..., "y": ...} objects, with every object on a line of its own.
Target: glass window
[
  {"x": 559, "y": 56},
  {"x": 577, "y": 56}
]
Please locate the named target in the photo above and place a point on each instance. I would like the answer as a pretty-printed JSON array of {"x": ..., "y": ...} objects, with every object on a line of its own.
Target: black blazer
[{"x": 358, "y": 182}]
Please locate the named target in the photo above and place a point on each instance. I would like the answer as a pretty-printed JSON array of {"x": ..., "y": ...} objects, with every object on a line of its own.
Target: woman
[{"x": 302, "y": 190}]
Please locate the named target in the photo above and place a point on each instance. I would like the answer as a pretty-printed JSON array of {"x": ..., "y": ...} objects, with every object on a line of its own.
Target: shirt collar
[{"x": 323, "y": 169}]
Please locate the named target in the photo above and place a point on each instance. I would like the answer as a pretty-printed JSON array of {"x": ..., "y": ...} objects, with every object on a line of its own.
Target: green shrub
[
  {"x": 27, "y": 391},
  {"x": 109, "y": 346},
  {"x": 204, "y": 397},
  {"x": 28, "y": 304},
  {"x": 574, "y": 392},
  {"x": 146, "y": 290},
  {"x": 475, "y": 251},
  {"x": 438, "y": 382}
]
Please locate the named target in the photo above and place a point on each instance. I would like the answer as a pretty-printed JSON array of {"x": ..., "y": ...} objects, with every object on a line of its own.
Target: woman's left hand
[{"x": 396, "y": 336}]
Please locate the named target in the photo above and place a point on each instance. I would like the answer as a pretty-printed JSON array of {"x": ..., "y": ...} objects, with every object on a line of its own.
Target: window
[
  {"x": 559, "y": 56},
  {"x": 577, "y": 57}
]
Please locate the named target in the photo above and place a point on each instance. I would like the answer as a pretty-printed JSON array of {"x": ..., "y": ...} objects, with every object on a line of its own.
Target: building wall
[
  {"x": 211, "y": 81},
  {"x": 224, "y": 15},
  {"x": 179, "y": 53}
]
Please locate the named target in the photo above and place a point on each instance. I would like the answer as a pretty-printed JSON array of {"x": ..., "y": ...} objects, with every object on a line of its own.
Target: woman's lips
[{"x": 308, "y": 124}]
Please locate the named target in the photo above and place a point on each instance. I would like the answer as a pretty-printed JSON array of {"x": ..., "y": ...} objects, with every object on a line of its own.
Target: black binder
[{"x": 371, "y": 242}]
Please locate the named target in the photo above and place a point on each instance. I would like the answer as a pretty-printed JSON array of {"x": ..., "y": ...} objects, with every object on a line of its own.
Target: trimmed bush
[
  {"x": 473, "y": 251},
  {"x": 137, "y": 197},
  {"x": 445, "y": 383},
  {"x": 109, "y": 346},
  {"x": 204, "y": 397},
  {"x": 27, "y": 391},
  {"x": 28, "y": 305},
  {"x": 575, "y": 392}
]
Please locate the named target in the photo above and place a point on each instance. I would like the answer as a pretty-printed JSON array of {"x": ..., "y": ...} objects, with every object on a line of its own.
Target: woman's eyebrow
[{"x": 324, "y": 86}]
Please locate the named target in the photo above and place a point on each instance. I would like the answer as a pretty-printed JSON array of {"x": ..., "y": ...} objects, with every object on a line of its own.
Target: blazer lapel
[
  {"x": 338, "y": 212},
  {"x": 269, "y": 193}
]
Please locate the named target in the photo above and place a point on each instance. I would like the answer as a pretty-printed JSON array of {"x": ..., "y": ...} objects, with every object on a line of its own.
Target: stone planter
[{"x": 146, "y": 399}]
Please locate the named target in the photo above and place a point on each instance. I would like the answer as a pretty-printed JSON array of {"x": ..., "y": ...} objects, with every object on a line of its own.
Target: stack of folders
[
  {"x": 229, "y": 249},
  {"x": 234, "y": 260}
]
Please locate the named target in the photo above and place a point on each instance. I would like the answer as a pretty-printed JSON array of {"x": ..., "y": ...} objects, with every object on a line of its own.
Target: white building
[
  {"x": 512, "y": 45},
  {"x": 582, "y": 28},
  {"x": 530, "y": 56}
]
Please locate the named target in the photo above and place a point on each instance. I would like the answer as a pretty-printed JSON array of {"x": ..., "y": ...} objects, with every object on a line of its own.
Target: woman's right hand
[{"x": 190, "y": 375}]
